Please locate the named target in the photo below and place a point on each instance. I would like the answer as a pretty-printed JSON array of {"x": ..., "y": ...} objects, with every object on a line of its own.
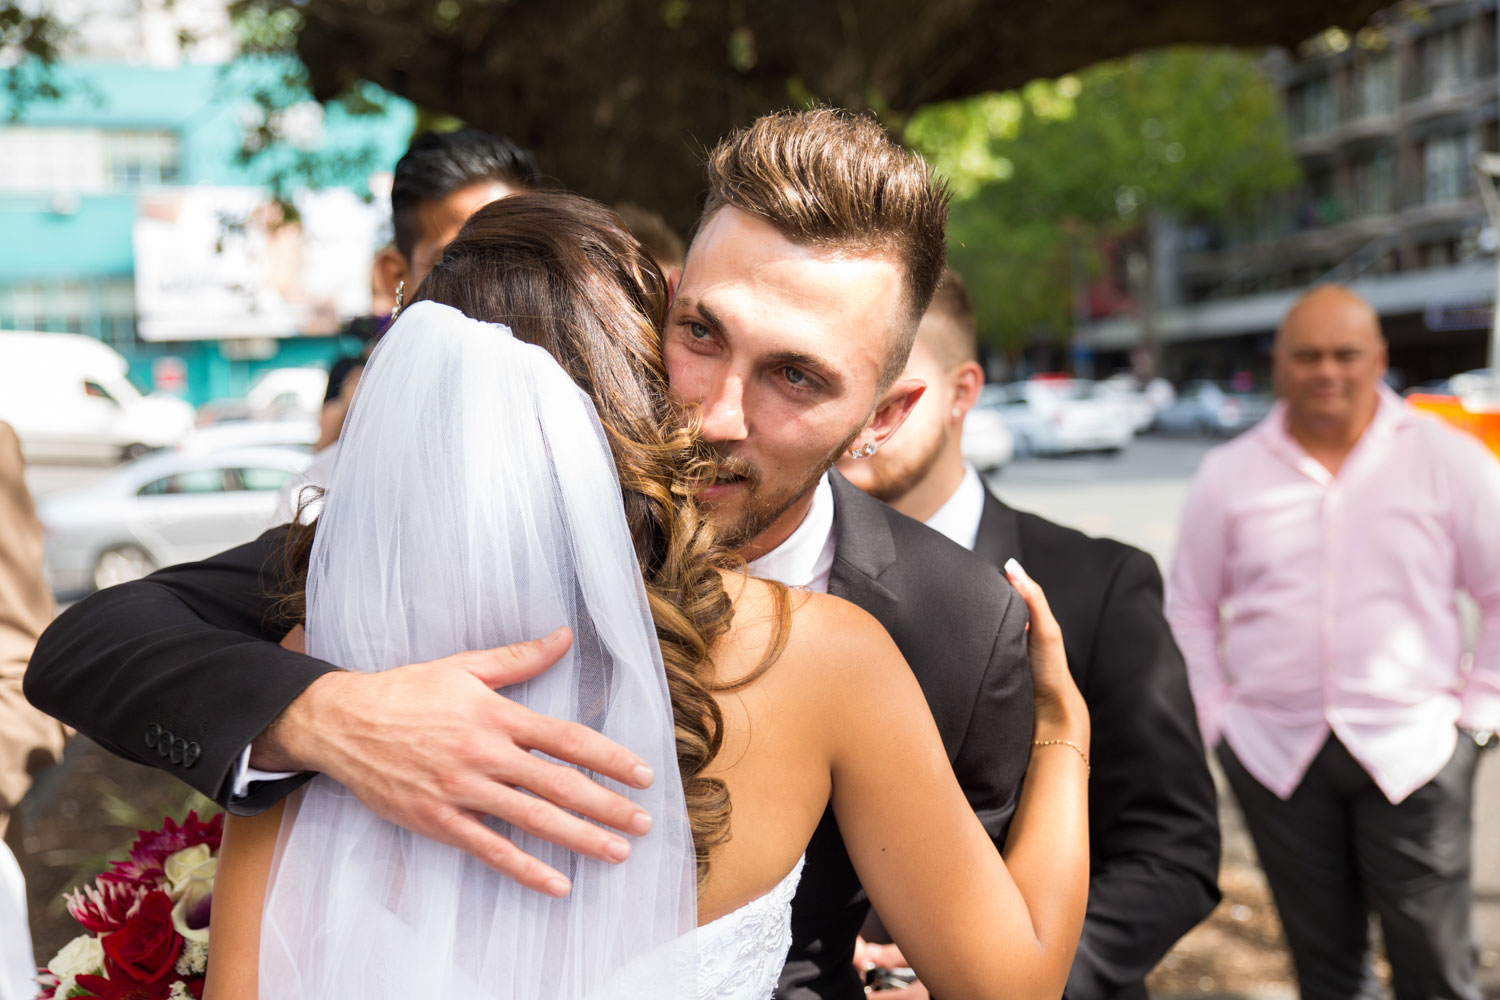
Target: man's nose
[{"x": 724, "y": 411}]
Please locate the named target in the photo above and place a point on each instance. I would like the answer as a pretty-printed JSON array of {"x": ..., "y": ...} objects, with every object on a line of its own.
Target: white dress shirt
[
  {"x": 804, "y": 561},
  {"x": 958, "y": 517}
]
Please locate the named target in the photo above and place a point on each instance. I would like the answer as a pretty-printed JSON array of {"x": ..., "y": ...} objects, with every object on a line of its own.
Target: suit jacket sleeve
[
  {"x": 29, "y": 740},
  {"x": 1153, "y": 816},
  {"x": 190, "y": 651},
  {"x": 992, "y": 759}
]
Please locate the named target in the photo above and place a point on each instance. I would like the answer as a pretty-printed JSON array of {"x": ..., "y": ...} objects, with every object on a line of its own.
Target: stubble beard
[
  {"x": 892, "y": 478},
  {"x": 763, "y": 510}
]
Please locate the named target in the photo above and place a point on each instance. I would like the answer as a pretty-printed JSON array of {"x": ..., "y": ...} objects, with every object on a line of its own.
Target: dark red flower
[
  {"x": 152, "y": 847},
  {"x": 146, "y": 948},
  {"x": 118, "y": 985},
  {"x": 106, "y": 905}
]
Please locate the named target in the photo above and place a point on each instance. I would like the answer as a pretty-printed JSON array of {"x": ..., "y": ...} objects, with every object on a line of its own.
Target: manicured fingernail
[
  {"x": 617, "y": 850},
  {"x": 556, "y": 634},
  {"x": 1014, "y": 569},
  {"x": 643, "y": 776},
  {"x": 640, "y": 823},
  {"x": 557, "y": 886}
]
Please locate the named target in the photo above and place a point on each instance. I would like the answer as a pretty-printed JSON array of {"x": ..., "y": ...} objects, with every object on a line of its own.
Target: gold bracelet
[{"x": 1088, "y": 770}]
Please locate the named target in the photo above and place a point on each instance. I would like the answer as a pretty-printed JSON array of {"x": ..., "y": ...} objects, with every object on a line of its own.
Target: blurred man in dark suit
[{"x": 1153, "y": 825}]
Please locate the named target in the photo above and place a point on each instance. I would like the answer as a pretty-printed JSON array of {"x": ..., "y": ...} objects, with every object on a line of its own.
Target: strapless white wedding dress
[
  {"x": 736, "y": 957},
  {"x": 740, "y": 955}
]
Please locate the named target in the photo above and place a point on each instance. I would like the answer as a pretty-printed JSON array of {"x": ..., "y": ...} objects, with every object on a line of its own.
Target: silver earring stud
[{"x": 864, "y": 452}]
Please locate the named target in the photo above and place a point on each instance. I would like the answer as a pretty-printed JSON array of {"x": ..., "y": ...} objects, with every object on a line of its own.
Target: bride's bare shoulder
[{"x": 821, "y": 637}]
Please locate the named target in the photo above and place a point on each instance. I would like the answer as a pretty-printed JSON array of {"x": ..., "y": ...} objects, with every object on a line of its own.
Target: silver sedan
[{"x": 166, "y": 508}]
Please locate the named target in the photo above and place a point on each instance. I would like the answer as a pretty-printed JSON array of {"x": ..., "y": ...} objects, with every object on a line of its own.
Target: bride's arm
[
  {"x": 239, "y": 897},
  {"x": 972, "y": 924},
  {"x": 240, "y": 881}
]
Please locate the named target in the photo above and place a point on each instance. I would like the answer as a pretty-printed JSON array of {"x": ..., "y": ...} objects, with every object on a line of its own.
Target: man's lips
[{"x": 722, "y": 487}]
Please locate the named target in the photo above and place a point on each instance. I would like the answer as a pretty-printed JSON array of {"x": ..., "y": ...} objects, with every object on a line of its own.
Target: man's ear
[
  {"x": 968, "y": 379},
  {"x": 674, "y": 279},
  {"x": 894, "y": 407},
  {"x": 390, "y": 270}
]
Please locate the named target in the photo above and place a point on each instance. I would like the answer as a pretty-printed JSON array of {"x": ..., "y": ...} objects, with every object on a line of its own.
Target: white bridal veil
[{"x": 474, "y": 503}]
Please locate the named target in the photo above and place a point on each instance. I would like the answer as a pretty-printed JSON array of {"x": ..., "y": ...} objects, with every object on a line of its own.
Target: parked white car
[
  {"x": 67, "y": 397},
  {"x": 166, "y": 508},
  {"x": 287, "y": 393},
  {"x": 1051, "y": 416},
  {"x": 1126, "y": 394},
  {"x": 987, "y": 441},
  {"x": 301, "y": 434}
]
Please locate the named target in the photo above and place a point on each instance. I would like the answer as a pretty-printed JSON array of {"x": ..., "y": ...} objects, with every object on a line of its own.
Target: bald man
[{"x": 1313, "y": 597}]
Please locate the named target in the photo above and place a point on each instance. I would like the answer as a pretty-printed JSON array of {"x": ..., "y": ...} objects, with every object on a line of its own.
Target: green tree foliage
[{"x": 1040, "y": 174}]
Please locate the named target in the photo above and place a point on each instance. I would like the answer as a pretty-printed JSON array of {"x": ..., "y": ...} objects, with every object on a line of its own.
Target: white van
[{"x": 67, "y": 397}]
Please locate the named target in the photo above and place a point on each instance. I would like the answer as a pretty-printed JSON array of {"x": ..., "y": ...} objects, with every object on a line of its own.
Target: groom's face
[{"x": 782, "y": 346}]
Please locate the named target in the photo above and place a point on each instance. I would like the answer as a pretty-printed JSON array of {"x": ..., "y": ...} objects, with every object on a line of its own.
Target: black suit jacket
[
  {"x": 962, "y": 629},
  {"x": 177, "y": 671},
  {"x": 1153, "y": 820}
]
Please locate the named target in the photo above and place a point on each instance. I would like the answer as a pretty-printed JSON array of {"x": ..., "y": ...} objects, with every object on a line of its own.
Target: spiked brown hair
[{"x": 832, "y": 179}]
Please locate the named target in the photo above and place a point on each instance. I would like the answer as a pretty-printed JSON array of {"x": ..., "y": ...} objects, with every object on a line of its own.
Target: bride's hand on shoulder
[{"x": 1060, "y": 710}]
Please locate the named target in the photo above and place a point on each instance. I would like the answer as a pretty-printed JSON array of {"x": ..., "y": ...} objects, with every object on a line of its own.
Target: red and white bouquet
[{"x": 147, "y": 920}]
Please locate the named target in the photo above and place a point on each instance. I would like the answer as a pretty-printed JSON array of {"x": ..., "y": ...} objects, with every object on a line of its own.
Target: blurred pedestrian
[
  {"x": 441, "y": 180},
  {"x": 29, "y": 740},
  {"x": 1314, "y": 598},
  {"x": 1153, "y": 823}
]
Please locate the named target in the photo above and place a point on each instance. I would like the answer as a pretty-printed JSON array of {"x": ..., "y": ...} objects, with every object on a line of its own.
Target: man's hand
[{"x": 432, "y": 747}]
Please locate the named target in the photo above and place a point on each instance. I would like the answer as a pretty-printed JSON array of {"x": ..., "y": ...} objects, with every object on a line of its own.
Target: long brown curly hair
[{"x": 563, "y": 273}]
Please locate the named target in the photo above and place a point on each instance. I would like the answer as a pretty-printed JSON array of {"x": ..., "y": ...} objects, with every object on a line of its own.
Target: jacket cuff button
[
  {"x": 153, "y": 734},
  {"x": 191, "y": 754}
]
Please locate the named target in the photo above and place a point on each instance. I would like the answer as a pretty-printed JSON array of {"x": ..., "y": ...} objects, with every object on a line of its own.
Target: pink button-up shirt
[{"x": 1305, "y": 602}]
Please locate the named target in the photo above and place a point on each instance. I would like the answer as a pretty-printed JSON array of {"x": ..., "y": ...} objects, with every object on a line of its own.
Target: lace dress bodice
[{"x": 740, "y": 955}]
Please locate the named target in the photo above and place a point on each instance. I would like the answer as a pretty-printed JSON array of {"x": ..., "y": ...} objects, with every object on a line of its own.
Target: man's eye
[
  {"x": 698, "y": 331},
  {"x": 795, "y": 376}
]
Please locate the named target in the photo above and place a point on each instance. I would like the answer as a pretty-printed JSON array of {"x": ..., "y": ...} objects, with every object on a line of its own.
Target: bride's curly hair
[{"x": 563, "y": 273}]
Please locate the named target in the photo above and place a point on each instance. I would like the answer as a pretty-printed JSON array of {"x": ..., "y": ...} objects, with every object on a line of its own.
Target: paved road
[{"x": 1137, "y": 498}]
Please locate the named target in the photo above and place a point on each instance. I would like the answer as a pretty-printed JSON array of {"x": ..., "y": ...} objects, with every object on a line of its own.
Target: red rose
[
  {"x": 146, "y": 948},
  {"x": 117, "y": 985}
]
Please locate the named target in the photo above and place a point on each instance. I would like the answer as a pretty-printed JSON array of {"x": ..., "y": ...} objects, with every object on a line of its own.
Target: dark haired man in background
[
  {"x": 1153, "y": 827},
  {"x": 441, "y": 180}
]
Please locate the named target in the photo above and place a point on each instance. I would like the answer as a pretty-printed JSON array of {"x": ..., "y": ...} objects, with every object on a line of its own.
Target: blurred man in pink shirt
[{"x": 1314, "y": 599}]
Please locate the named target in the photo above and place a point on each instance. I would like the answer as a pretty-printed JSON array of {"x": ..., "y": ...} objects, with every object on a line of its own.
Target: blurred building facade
[
  {"x": 130, "y": 213},
  {"x": 1386, "y": 124}
]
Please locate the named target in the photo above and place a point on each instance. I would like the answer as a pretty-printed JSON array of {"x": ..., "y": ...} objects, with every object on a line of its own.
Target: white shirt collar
[
  {"x": 805, "y": 559},
  {"x": 958, "y": 517}
]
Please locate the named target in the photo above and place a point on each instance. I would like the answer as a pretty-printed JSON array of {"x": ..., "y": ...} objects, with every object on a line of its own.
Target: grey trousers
[{"x": 1338, "y": 850}]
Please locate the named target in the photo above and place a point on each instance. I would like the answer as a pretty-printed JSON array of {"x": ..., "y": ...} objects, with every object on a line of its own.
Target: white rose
[
  {"x": 82, "y": 955},
  {"x": 189, "y": 865}
]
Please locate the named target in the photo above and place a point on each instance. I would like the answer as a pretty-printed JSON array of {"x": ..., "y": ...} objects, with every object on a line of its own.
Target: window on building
[
  {"x": 1440, "y": 56},
  {"x": 141, "y": 158},
  {"x": 1372, "y": 87},
  {"x": 85, "y": 160},
  {"x": 1446, "y": 165},
  {"x": 103, "y": 308},
  {"x": 1314, "y": 101},
  {"x": 1370, "y": 184}
]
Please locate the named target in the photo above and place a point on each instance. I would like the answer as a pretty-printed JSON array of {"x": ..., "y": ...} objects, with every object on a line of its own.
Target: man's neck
[
  {"x": 1330, "y": 442},
  {"x": 936, "y": 488},
  {"x": 781, "y": 529}
]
